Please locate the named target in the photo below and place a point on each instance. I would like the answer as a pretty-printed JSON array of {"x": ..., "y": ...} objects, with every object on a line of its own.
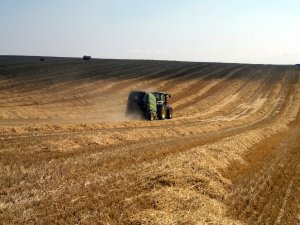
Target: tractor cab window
[{"x": 160, "y": 97}]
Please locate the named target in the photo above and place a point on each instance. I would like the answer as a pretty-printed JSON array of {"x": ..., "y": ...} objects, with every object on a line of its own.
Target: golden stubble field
[{"x": 68, "y": 155}]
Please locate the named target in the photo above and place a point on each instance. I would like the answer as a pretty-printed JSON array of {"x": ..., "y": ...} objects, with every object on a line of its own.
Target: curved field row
[{"x": 69, "y": 155}]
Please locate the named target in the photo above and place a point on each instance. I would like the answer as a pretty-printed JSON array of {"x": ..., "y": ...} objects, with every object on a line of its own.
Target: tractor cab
[
  {"x": 161, "y": 97},
  {"x": 164, "y": 111}
]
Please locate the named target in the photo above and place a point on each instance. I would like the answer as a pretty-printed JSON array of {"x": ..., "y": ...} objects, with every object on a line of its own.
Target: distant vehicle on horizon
[{"x": 86, "y": 57}]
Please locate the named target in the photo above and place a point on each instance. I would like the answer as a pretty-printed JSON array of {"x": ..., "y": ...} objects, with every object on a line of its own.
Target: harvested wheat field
[{"x": 68, "y": 155}]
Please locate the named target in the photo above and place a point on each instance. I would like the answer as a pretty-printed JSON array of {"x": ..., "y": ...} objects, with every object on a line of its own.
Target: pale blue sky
[{"x": 257, "y": 31}]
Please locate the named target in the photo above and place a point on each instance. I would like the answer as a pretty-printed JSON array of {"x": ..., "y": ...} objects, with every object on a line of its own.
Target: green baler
[{"x": 149, "y": 105}]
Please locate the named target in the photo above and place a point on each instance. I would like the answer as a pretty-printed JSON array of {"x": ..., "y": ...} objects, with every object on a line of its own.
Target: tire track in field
[
  {"x": 58, "y": 87},
  {"x": 221, "y": 99},
  {"x": 192, "y": 93},
  {"x": 216, "y": 88},
  {"x": 93, "y": 90},
  {"x": 234, "y": 98},
  {"x": 260, "y": 201},
  {"x": 92, "y": 71},
  {"x": 257, "y": 196},
  {"x": 248, "y": 101}
]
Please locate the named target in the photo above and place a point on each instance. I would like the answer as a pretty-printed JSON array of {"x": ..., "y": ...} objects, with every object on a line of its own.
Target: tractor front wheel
[{"x": 169, "y": 113}]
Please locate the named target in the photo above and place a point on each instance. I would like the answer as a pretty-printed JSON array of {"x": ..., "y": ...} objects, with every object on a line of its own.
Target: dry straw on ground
[{"x": 69, "y": 156}]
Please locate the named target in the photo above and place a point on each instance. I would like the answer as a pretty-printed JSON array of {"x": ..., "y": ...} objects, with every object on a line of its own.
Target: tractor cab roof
[
  {"x": 164, "y": 93},
  {"x": 149, "y": 92},
  {"x": 152, "y": 92},
  {"x": 159, "y": 92}
]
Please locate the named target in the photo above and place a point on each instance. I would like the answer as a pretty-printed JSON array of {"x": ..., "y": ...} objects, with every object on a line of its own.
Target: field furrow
[{"x": 68, "y": 154}]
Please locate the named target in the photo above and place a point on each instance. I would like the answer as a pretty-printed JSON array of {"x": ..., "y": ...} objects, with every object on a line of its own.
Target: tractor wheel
[
  {"x": 151, "y": 116},
  {"x": 161, "y": 112},
  {"x": 169, "y": 113}
]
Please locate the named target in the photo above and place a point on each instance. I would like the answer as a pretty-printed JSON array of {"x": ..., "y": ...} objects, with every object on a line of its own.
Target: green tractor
[{"x": 149, "y": 105}]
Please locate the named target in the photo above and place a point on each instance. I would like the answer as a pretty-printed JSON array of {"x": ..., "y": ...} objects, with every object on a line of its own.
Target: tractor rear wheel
[
  {"x": 151, "y": 116},
  {"x": 162, "y": 112}
]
